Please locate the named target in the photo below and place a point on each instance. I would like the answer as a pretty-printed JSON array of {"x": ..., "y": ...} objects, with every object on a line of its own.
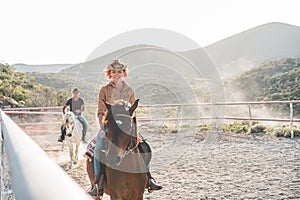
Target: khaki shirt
[{"x": 110, "y": 94}]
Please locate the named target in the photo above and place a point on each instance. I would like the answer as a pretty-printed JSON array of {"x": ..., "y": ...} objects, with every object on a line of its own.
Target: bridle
[{"x": 133, "y": 145}]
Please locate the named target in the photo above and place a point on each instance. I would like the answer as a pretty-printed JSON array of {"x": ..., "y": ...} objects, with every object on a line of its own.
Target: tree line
[
  {"x": 277, "y": 80},
  {"x": 18, "y": 89}
]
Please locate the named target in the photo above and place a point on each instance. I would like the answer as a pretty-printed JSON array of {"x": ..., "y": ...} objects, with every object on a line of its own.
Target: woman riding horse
[
  {"x": 125, "y": 171},
  {"x": 116, "y": 89}
]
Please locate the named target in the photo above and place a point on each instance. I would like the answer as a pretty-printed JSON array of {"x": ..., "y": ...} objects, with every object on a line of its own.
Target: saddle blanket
[
  {"x": 143, "y": 146},
  {"x": 91, "y": 148}
]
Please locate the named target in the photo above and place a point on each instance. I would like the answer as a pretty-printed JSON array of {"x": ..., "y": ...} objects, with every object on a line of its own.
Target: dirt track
[{"x": 210, "y": 165}]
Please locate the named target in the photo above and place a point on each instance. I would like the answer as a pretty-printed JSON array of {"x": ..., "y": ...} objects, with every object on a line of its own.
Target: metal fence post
[
  {"x": 250, "y": 116},
  {"x": 291, "y": 120},
  {"x": 177, "y": 117}
]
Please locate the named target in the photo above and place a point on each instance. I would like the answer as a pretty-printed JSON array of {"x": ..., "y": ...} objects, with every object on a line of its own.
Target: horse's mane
[{"x": 118, "y": 107}]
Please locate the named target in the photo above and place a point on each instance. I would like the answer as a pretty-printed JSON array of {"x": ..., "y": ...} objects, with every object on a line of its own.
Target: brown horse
[{"x": 125, "y": 170}]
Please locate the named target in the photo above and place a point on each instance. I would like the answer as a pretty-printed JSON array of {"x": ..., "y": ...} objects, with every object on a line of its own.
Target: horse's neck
[
  {"x": 76, "y": 129},
  {"x": 132, "y": 163}
]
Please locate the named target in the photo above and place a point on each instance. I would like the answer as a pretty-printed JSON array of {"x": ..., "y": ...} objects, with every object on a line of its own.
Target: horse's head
[
  {"x": 68, "y": 120},
  {"x": 121, "y": 132}
]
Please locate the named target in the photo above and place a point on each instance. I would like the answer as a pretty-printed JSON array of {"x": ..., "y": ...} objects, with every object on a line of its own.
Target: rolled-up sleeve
[{"x": 101, "y": 105}]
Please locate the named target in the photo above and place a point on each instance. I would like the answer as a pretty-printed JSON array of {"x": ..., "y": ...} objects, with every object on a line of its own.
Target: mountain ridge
[
  {"x": 244, "y": 50},
  {"x": 232, "y": 55}
]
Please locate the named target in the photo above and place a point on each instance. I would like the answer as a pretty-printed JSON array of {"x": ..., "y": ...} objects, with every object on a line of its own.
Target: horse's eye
[{"x": 119, "y": 122}]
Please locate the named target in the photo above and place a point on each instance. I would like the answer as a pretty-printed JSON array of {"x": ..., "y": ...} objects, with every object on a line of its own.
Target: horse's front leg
[
  {"x": 76, "y": 152},
  {"x": 71, "y": 154}
]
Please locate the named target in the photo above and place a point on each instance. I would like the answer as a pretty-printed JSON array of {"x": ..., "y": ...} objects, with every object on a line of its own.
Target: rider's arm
[
  {"x": 82, "y": 108},
  {"x": 100, "y": 120},
  {"x": 67, "y": 105},
  {"x": 64, "y": 108},
  {"x": 101, "y": 110}
]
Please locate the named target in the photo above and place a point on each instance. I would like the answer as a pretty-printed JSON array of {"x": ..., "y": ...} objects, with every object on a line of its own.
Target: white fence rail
[
  {"x": 250, "y": 118},
  {"x": 34, "y": 175}
]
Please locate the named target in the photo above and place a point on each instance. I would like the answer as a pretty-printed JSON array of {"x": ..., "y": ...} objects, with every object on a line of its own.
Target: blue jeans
[
  {"x": 84, "y": 124},
  {"x": 97, "y": 155}
]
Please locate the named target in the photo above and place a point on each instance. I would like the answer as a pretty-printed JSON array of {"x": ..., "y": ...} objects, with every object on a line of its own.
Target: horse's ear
[
  {"x": 134, "y": 106},
  {"x": 108, "y": 106}
]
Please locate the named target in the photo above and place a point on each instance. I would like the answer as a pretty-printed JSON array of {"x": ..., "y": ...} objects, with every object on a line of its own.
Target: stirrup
[
  {"x": 97, "y": 193},
  {"x": 150, "y": 183}
]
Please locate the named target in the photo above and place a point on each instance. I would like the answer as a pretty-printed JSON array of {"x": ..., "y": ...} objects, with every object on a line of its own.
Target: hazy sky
[{"x": 67, "y": 31}]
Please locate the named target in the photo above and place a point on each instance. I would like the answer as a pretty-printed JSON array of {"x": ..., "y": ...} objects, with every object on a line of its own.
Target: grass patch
[
  {"x": 258, "y": 128},
  {"x": 278, "y": 131},
  {"x": 203, "y": 127},
  {"x": 237, "y": 127},
  {"x": 283, "y": 131}
]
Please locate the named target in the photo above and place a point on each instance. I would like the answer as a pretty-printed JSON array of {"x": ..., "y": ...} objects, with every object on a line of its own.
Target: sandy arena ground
[{"x": 208, "y": 165}]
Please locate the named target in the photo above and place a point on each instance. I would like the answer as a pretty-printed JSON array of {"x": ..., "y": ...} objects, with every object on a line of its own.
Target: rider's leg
[
  {"x": 97, "y": 190},
  {"x": 97, "y": 155},
  {"x": 62, "y": 135},
  {"x": 85, "y": 125},
  {"x": 151, "y": 185}
]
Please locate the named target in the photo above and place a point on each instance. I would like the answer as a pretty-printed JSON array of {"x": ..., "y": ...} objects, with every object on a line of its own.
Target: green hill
[
  {"x": 277, "y": 80},
  {"x": 24, "y": 90}
]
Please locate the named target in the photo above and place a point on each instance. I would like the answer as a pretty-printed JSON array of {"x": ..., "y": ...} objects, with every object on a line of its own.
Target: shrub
[
  {"x": 236, "y": 127},
  {"x": 203, "y": 127},
  {"x": 258, "y": 128},
  {"x": 283, "y": 131}
]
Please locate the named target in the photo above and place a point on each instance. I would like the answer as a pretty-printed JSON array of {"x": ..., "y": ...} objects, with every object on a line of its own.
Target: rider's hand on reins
[{"x": 102, "y": 133}]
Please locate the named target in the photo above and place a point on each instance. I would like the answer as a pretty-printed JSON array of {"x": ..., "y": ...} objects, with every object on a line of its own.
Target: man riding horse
[
  {"x": 116, "y": 89},
  {"x": 75, "y": 105}
]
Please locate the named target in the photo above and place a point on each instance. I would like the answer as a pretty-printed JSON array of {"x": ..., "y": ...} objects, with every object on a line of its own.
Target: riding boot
[
  {"x": 151, "y": 185},
  {"x": 101, "y": 182},
  {"x": 97, "y": 190},
  {"x": 62, "y": 136},
  {"x": 83, "y": 139}
]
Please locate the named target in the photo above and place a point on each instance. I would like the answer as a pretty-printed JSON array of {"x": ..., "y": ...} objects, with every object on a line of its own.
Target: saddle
[
  {"x": 143, "y": 146},
  {"x": 90, "y": 149},
  {"x": 146, "y": 151}
]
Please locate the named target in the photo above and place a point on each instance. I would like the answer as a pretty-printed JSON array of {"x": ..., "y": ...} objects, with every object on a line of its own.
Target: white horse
[{"x": 73, "y": 134}]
